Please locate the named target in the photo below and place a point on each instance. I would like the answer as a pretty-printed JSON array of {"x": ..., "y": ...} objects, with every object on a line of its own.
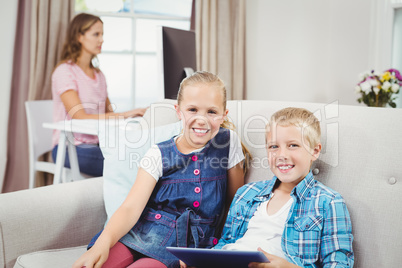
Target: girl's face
[
  {"x": 289, "y": 155},
  {"x": 91, "y": 41},
  {"x": 201, "y": 111}
]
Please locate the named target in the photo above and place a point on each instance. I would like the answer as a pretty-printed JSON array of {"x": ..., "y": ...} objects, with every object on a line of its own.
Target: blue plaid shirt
[{"x": 318, "y": 230}]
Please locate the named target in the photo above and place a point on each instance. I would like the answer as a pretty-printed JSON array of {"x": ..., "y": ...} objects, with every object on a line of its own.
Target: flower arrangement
[{"x": 377, "y": 89}]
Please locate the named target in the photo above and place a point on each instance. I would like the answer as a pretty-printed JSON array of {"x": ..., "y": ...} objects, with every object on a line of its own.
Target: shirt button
[
  {"x": 158, "y": 216},
  {"x": 194, "y": 158},
  {"x": 215, "y": 241},
  {"x": 196, "y": 172},
  {"x": 197, "y": 190},
  {"x": 196, "y": 204}
]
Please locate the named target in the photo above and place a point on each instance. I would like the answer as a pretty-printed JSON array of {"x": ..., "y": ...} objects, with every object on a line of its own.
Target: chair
[{"x": 40, "y": 139}]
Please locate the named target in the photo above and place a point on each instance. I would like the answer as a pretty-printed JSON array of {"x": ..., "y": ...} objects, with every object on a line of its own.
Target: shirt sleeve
[
  {"x": 152, "y": 162},
  {"x": 63, "y": 79},
  {"x": 235, "y": 150},
  {"x": 336, "y": 241},
  {"x": 232, "y": 228},
  {"x": 227, "y": 235}
]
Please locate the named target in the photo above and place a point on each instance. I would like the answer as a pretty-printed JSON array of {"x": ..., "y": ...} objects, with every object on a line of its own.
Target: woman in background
[{"x": 80, "y": 92}]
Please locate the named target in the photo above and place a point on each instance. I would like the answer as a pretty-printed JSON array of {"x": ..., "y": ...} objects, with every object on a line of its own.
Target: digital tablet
[{"x": 210, "y": 258}]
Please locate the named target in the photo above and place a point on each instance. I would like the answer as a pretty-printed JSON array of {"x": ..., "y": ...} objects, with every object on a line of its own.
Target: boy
[{"x": 294, "y": 219}]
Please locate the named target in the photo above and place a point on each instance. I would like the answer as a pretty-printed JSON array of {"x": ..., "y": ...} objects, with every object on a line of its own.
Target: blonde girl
[{"x": 180, "y": 199}]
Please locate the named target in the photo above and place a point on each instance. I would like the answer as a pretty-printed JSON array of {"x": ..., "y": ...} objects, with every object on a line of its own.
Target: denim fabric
[
  {"x": 90, "y": 159},
  {"x": 187, "y": 202}
]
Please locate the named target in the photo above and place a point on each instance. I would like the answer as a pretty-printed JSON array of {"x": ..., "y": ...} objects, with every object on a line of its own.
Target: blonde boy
[{"x": 294, "y": 219}]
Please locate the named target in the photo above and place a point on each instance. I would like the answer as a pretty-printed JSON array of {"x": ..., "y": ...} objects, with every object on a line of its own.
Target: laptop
[{"x": 219, "y": 258}]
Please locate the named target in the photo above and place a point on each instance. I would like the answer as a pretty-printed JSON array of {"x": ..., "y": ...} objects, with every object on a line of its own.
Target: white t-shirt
[
  {"x": 264, "y": 231},
  {"x": 152, "y": 160}
]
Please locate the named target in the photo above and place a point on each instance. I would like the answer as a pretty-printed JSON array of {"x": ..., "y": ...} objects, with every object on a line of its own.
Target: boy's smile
[
  {"x": 285, "y": 168},
  {"x": 289, "y": 155}
]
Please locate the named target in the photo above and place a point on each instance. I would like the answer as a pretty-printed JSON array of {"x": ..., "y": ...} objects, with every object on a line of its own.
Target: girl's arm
[
  {"x": 235, "y": 181},
  {"x": 75, "y": 109},
  {"x": 125, "y": 217}
]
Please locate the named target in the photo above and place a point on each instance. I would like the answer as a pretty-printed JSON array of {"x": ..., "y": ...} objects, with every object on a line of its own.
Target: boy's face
[{"x": 289, "y": 155}]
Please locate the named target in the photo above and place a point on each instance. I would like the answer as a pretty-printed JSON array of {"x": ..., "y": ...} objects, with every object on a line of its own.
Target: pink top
[{"x": 91, "y": 91}]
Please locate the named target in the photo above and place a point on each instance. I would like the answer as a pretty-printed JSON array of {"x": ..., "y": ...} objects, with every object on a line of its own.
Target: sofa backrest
[{"x": 361, "y": 159}]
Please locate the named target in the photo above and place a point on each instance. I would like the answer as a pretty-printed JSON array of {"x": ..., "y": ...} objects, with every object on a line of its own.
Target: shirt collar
[{"x": 301, "y": 190}]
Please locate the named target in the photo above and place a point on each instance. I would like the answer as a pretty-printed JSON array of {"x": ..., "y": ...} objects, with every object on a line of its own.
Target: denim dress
[{"x": 187, "y": 203}]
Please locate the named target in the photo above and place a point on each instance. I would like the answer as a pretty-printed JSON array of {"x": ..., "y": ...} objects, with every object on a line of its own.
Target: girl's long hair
[
  {"x": 202, "y": 77},
  {"x": 78, "y": 26}
]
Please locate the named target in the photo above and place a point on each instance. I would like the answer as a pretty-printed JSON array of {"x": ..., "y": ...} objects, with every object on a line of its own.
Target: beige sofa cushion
[{"x": 60, "y": 258}]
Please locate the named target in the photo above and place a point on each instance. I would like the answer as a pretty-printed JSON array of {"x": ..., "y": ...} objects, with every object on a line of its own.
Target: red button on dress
[
  {"x": 196, "y": 172},
  {"x": 158, "y": 216},
  {"x": 197, "y": 190},
  {"x": 196, "y": 204},
  {"x": 194, "y": 158},
  {"x": 215, "y": 241}
]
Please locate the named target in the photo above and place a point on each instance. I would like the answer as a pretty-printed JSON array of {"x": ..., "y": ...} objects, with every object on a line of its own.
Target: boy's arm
[
  {"x": 337, "y": 238},
  {"x": 226, "y": 237}
]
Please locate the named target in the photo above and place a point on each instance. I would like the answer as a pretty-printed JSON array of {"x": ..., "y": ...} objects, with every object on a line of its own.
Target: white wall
[
  {"x": 8, "y": 19},
  {"x": 310, "y": 50}
]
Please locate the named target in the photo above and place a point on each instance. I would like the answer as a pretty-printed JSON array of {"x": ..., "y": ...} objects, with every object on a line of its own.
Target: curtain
[
  {"x": 41, "y": 25},
  {"x": 8, "y": 28},
  {"x": 50, "y": 20},
  {"x": 220, "y": 42},
  {"x": 17, "y": 142}
]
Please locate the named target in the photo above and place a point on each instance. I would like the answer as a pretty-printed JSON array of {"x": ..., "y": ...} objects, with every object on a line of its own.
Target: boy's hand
[
  {"x": 275, "y": 262},
  {"x": 183, "y": 265}
]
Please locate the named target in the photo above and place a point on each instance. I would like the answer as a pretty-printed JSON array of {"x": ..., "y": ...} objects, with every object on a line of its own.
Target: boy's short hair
[{"x": 299, "y": 117}]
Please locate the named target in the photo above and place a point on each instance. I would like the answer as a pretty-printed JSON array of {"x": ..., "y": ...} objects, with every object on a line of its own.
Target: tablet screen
[{"x": 211, "y": 258}]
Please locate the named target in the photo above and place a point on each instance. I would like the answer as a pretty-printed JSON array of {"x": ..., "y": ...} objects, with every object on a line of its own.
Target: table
[
  {"x": 84, "y": 126},
  {"x": 67, "y": 128}
]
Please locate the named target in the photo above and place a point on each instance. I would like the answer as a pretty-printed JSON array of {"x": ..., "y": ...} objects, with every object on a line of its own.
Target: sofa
[{"x": 361, "y": 159}]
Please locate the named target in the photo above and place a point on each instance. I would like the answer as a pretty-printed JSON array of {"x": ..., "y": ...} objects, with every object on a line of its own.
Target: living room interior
[{"x": 309, "y": 53}]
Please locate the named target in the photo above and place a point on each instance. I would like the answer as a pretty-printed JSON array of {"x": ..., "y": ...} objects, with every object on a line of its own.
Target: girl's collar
[{"x": 175, "y": 138}]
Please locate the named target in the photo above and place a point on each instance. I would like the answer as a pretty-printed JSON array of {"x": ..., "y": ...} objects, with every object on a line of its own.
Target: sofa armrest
[{"x": 57, "y": 216}]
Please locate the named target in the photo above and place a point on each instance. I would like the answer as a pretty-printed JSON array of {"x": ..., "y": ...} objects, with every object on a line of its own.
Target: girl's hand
[
  {"x": 95, "y": 257},
  {"x": 275, "y": 262},
  {"x": 135, "y": 112}
]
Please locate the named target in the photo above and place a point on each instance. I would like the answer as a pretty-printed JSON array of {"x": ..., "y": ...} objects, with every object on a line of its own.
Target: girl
[
  {"x": 180, "y": 200},
  {"x": 79, "y": 89}
]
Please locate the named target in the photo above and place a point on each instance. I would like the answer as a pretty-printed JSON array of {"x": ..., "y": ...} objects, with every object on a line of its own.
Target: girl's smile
[{"x": 200, "y": 131}]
